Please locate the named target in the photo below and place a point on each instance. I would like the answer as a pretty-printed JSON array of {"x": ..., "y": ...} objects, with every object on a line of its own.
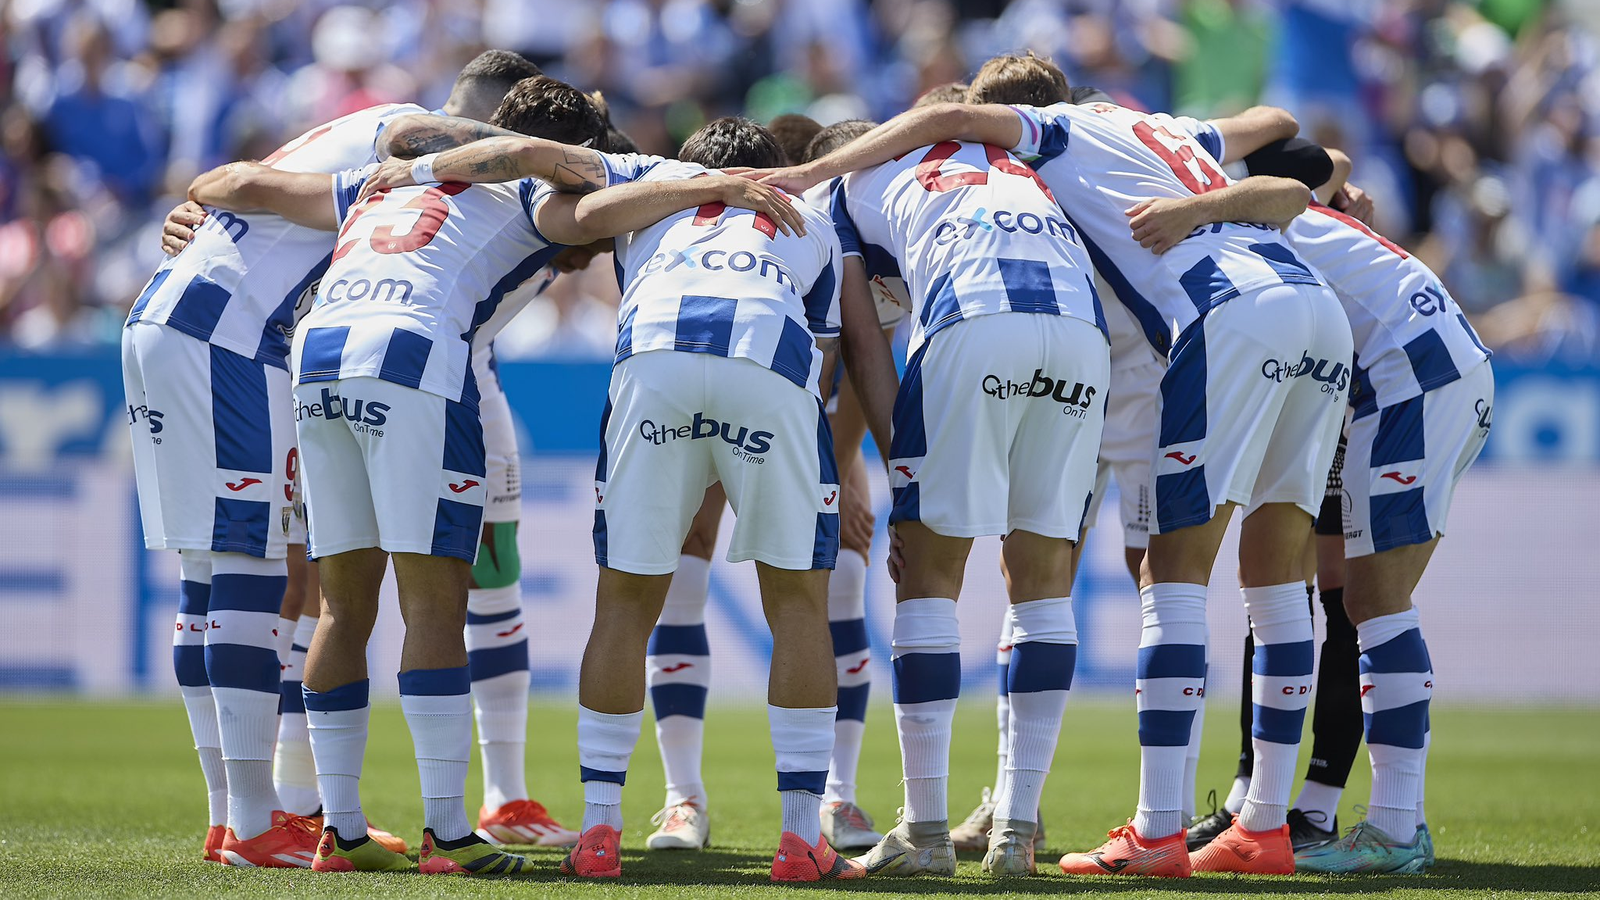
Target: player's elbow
[
  {"x": 1293, "y": 198},
  {"x": 1278, "y": 124}
]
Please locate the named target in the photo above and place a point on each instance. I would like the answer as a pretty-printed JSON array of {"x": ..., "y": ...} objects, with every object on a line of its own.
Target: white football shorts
[
  {"x": 503, "y": 501},
  {"x": 1404, "y": 462},
  {"x": 1132, "y": 411},
  {"x": 389, "y": 466},
  {"x": 677, "y": 422},
  {"x": 1251, "y": 406},
  {"x": 997, "y": 426},
  {"x": 213, "y": 444}
]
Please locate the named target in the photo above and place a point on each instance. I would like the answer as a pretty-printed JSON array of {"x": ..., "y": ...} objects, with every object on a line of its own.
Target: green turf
[{"x": 105, "y": 800}]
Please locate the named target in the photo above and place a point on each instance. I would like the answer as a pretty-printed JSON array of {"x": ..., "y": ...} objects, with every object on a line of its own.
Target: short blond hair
[{"x": 1025, "y": 79}]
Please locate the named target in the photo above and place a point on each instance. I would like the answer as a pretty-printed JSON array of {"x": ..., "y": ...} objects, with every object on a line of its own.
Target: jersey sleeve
[
  {"x": 844, "y": 227},
  {"x": 347, "y": 184},
  {"x": 622, "y": 168},
  {"x": 1206, "y": 133},
  {"x": 1044, "y": 134},
  {"x": 533, "y": 193}
]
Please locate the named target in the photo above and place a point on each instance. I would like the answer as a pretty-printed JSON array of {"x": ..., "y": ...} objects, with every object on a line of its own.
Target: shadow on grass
[{"x": 745, "y": 867}]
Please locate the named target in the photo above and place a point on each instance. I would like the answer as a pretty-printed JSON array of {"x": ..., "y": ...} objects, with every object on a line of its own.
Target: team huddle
[{"x": 1087, "y": 296}]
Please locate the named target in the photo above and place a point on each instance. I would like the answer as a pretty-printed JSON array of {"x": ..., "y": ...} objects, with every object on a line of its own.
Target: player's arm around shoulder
[
  {"x": 497, "y": 159},
  {"x": 304, "y": 198},
  {"x": 1160, "y": 223},
  {"x": 418, "y": 134},
  {"x": 1253, "y": 129},
  {"x": 580, "y": 219}
]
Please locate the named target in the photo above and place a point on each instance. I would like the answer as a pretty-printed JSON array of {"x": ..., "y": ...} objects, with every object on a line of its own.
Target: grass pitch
[{"x": 105, "y": 800}]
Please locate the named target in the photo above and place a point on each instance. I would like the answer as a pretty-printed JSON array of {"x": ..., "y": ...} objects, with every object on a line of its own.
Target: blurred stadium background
[{"x": 1476, "y": 125}]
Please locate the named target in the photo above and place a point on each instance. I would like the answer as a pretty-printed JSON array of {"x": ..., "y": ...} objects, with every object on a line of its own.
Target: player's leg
[
  {"x": 497, "y": 639},
  {"x": 649, "y": 481},
  {"x": 785, "y": 497},
  {"x": 189, "y": 663},
  {"x": 294, "y": 772},
  {"x": 678, "y": 675},
  {"x": 1404, "y": 464},
  {"x": 845, "y": 824},
  {"x": 1336, "y": 716}
]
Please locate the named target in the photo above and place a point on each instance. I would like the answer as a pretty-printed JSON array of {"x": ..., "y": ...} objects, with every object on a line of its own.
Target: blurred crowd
[{"x": 1476, "y": 125}]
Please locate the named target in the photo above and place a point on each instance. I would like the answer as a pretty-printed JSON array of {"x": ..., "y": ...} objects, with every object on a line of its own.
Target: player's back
[
  {"x": 1117, "y": 158},
  {"x": 728, "y": 282},
  {"x": 416, "y": 272},
  {"x": 243, "y": 280},
  {"x": 975, "y": 232},
  {"x": 1410, "y": 335}
]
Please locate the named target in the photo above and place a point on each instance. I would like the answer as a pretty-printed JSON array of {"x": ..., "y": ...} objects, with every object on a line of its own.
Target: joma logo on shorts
[
  {"x": 1333, "y": 380},
  {"x": 743, "y": 440},
  {"x": 369, "y": 413}
]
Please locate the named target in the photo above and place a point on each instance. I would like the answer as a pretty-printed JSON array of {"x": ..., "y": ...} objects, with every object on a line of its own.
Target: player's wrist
[{"x": 422, "y": 169}]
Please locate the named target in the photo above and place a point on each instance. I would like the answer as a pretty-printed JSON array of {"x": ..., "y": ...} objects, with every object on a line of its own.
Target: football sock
[
  {"x": 497, "y": 658},
  {"x": 1336, "y": 718},
  {"x": 1191, "y": 755},
  {"x": 1043, "y": 655},
  {"x": 283, "y": 637},
  {"x": 1396, "y": 687},
  {"x": 1320, "y": 802},
  {"x": 1234, "y": 802},
  {"x": 1169, "y": 691},
  {"x": 294, "y": 773},
  {"x": 802, "y": 740},
  {"x": 189, "y": 664},
  {"x": 851, "y": 655},
  {"x": 605, "y": 744},
  {"x": 927, "y": 681},
  {"x": 337, "y": 720},
  {"x": 678, "y": 672},
  {"x": 242, "y": 665},
  {"x": 1283, "y": 662},
  {"x": 438, "y": 710},
  {"x": 1002, "y": 705},
  {"x": 1422, "y": 777}
]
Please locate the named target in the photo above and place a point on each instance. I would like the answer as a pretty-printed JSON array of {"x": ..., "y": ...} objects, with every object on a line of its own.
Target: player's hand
[
  {"x": 765, "y": 199},
  {"x": 178, "y": 229},
  {"x": 572, "y": 259},
  {"x": 897, "y": 559},
  {"x": 1353, "y": 201},
  {"x": 856, "y": 521},
  {"x": 392, "y": 173},
  {"x": 794, "y": 179},
  {"x": 1160, "y": 223}
]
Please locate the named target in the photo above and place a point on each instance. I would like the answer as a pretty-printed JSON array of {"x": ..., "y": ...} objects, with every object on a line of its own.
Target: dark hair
[
  {"x": 554, "y": 110},
  {"x": 794, "y": 133},
  {"x": 618, "y": 141},
  {"x": 1026, "y": 79},
  {"x": 598, "y": 98},
  {"x": 835, "y": 136},
  {"x": 1084, "y": 93},
  {"x": 496, "y": 70},
  {"x": 732, "y": 141},
  {"x": 954, "y": 92}
]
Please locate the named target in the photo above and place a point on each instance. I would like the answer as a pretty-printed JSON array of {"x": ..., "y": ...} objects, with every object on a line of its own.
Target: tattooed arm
[
  {"x": 419, "y": 134},
  {"x": 572, "y": 170},
  {"x": 304, "y": 198}
]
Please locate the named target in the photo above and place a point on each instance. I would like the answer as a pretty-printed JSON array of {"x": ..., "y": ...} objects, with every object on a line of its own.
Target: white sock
[
  {"x": 678, "y": 673},
  {"x": 802, "y": 741},
  {"x": 851, "y": 654},
  {"x": 1043, "y": 657},
  {"x": 927, "y": 682},
  {"x": 283, "y": 638},
  {"x": 1236, "y": 794},
  {"x": 1397, "y": 685},
  {"x": 242, "y": 666},
  {"x": 216, "y": 775},
  {"x": 605, "y": 745},
  {"x": 189, "y": 664},
  {"x": 1002, "y": 705},
  {"x": 1169, "y": 692},
  {"x": 1284, "y": 663},
  {"x": 497, "y": 657},
  {"x": 438, "y": 711},
  {"x": 1422, "y": 778},
  {"x": 203, "y": 723},
  {"x": 337, "y": 721},
  {"x": 1191, "y": 756},
  {"x": 294, "y": 773},
  {"x": 1320, "y": 802}
]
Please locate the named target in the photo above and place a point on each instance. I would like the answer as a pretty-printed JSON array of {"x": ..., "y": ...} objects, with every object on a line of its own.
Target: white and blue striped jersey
[
  {"x": 890, "y": 298},
  {"x": 417, "y": 272},
  {"x": 726, "y": 281},
  {"x": 245, "y": 279},
  {"x": 1410, "y": 335},
  {"x": 1119, "y": 157},
  {"x": 975, "y": 233}
]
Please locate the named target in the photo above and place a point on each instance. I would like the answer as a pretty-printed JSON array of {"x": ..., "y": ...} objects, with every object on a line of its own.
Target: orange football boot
[
  {"x": 291, "y": 843},
  {"x": 798, "y": 861},
  {"x": 524, "y": 822},
  {"x": 1249, "y": 852},
  {"x": 598, "y": 854},
  {"x": 214, "y": 836},
  {"x": 1127, "y": 853}
]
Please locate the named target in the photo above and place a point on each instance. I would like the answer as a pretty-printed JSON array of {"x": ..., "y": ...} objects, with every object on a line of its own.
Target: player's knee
[{"x": 499, "y": 560}]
